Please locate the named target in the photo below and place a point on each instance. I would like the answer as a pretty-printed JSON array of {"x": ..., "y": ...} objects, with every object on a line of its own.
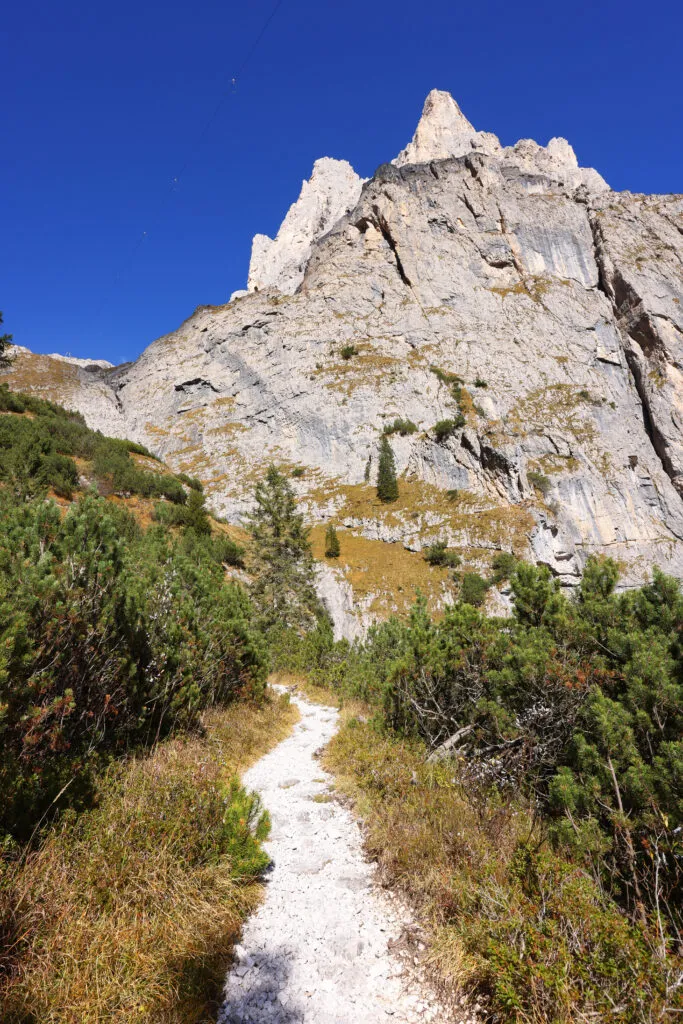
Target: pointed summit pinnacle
[{"x": 443, "y": 132}]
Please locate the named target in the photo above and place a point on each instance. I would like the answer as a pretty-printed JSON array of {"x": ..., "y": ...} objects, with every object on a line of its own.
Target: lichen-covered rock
[{"x": 508, "y": 291}]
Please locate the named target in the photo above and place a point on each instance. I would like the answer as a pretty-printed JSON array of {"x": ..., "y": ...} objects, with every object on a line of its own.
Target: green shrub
[
  {"x": 473, "y": 588},
  {"x": 191, "y": 481},
  {"x": 9, "y": 401},
  {"x": 348, "y": 351},
  {"x": 503, "y": 565},
  {"x": 451, "y": 380},
  {"x": 298, "y": 472},
  {"x": 446, "y": 428},
  {"x": 60, "y": 473},
  {"x": 439, "y": 554},
  {"x": 399, "y": 426},
  {"x": 479, "y": 383},
  {"x": 109, "y": 638},
  {"x": 541, "y": 482},
  {"x": 445, "y": 377}
]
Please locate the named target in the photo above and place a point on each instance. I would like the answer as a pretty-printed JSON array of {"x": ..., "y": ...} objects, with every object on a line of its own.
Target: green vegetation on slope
[
  {"x": 121, "y": 872},
  {"x": 548, "y": 851},
  {"x": 39, "y": 443}
]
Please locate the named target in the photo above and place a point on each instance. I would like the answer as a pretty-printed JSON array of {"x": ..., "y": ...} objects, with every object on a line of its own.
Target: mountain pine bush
[
  {"x": 446, "y": 428},
  {"x": 108, "y": 640},
  {"x": 110, "y": 636}
]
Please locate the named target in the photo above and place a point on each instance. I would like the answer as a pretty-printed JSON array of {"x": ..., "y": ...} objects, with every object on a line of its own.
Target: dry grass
[
  {"x": 479, "y": 519},
  {"x": 129, "y": 913},
  {"x": 44, "y": 377},
  {"x": 368, "y": 368},
  {"x": 512, "y": 925},
  {"x": 386, "y": 574},
  {"x": 564, "y": 404}
]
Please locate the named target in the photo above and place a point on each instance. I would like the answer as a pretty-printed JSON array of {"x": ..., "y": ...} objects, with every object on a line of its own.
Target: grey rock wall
[{"x": 557, "y": 302}]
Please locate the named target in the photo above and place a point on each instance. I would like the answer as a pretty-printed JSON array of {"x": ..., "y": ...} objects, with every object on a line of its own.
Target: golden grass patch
[
  {"x": 510, "y": 923},
  {"x": 124, "y": 915},
  {"x": 52, "y": 379},
  {"x": 387, "y": 573}
]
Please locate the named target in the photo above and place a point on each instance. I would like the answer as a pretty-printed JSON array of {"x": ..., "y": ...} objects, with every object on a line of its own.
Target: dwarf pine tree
[
  {"x": 283, "y": 588},
  {"x": 195, "y": 516},
  {"x": 387, "y": 484},
  {"x": 5, "y": 340},
  {"x": 331, "y": 542}
]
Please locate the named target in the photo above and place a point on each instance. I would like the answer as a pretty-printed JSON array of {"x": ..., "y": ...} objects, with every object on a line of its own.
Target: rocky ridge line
[{"x": 552, "y": 305}]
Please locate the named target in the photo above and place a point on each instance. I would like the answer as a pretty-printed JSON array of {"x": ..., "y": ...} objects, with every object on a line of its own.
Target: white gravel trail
[{"x": 318, "y": 949}]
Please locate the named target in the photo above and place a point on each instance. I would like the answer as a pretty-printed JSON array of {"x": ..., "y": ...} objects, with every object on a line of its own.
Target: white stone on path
[{"x": 318, "y": 949}]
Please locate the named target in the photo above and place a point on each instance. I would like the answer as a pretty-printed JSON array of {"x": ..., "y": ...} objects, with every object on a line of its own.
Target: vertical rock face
[
  {"x": 332, "y": 190},
  {"x": 505, "y": 289}
]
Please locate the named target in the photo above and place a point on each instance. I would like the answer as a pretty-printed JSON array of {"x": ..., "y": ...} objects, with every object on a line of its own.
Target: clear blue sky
[{"x": 103, "y": 105}]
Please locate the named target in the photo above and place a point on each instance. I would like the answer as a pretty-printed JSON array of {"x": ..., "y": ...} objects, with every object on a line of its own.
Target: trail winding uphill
[{"x": 318, "y": 950}]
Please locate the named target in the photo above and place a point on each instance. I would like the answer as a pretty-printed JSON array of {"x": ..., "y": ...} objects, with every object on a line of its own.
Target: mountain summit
[
  {"x": 509, "y": 322},
  {"x": 442, "y": 132}
]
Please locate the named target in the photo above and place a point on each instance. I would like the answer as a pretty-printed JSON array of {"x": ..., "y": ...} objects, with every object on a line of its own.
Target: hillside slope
[{"x": 507, "y": 290}]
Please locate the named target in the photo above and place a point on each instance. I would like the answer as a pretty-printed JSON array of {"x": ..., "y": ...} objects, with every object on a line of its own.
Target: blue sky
[{"x": 104, "y": 105}]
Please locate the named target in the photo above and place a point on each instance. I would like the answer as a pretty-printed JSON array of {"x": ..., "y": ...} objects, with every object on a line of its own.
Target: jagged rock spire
[
  {"x": 332, "y": 190},
  {"x": 442, "y": 132}
]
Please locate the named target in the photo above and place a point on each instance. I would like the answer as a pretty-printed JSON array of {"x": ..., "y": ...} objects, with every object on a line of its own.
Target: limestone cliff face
[
  {"x": 332, "y": 190},
  {"x": 555, "y": 302}
]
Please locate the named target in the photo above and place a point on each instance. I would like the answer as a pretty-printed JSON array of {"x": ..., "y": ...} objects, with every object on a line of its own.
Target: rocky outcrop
[
  {"x": 506, "y": 289},
  {"x": 442, "y": 132},
  {"x": 332, "y": 190}
]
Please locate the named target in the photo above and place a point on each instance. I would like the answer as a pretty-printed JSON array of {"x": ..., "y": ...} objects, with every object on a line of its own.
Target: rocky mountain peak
[
  {"x": 443, "y": 131},
  {"x": 332, "y": 190},
  {"x": 512, "y": 325}
]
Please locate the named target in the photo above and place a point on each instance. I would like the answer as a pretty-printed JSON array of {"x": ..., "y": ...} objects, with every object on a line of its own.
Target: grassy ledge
[{"x": 129, "y": 913}]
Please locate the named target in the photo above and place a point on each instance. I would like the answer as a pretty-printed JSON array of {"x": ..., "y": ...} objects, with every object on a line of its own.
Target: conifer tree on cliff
[
  {"x": 332, "y": 549},
  {"x": 283, "y": 589},
  {"x": 387, "y": 484},
  {"x": 5, "y": 340}
]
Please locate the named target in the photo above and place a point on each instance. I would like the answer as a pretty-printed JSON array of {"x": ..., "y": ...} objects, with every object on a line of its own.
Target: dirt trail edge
[{"x": 318, "y": 950}]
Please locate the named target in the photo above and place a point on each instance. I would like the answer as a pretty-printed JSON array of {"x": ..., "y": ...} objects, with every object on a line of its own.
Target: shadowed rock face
[{"x": 558, "y": 304}]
